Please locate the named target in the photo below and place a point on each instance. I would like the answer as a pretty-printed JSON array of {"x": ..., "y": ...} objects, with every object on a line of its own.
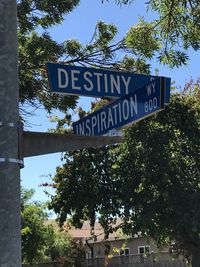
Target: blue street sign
[
  {"x": 132, "y": 107},
  {"x": 67, "y": 79}
]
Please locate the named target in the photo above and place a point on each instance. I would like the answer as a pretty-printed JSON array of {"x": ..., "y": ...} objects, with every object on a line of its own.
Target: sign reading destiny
[
  {"x": 66, "y": 79},
  {"x": 132, "y": 107}
]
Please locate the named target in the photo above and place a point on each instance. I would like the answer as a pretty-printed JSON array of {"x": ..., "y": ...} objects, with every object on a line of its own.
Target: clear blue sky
[{"x": 80, "y": 25}]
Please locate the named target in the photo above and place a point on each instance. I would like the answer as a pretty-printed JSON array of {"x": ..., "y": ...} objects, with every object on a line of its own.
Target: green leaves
[
  {"x": 33, "y": 230},
  {"x": 160, "y": 160},
  {"x": 173, "y": 58},
  {"x": 105, "y": 33},
  {"x": 142, "y": 39},
  {"x": 84, "y": 186},
  {"x": 166, "y": 38},
  {"x": 151, "y": 181},
  {"x": 72, "y": 48},
  {"x": 46, "y": 13},
  {"x": 35, "y": 50},
  {"x": 178, "y": 25}
]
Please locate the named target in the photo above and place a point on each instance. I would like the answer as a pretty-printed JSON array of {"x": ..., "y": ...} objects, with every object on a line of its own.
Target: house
[{"x": 119, "y": 249}]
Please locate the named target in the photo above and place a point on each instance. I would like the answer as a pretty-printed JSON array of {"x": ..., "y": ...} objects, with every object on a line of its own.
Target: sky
[{"x": 80, "y": 24}]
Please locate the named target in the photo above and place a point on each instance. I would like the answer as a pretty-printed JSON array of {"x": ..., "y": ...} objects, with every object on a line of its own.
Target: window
[
  {"x": 143, "y": 249},
  {"x": 124, "y": 252}
]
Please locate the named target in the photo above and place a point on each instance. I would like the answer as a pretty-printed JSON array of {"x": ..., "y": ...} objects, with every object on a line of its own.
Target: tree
[
  {"x": 36, "y": 48},
  {"x": 177, "y": 25},
  {"x": 33, "y": 230},
  {"x": 151, "y": 181},
  {"x": 60, "y": 247},
  {"x": 170, "y": 35},
  {"x": 160, "y": 189},
  {"x": 44, "y": 242},
  {"x": 86, "y": 179},
  {"x": 177, "y": 22}
]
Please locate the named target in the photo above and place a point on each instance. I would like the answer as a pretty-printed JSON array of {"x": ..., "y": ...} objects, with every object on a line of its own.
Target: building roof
[{"x": 85, "y": 232}]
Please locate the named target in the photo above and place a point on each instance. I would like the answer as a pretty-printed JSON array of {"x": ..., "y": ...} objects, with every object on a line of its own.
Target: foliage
[
  {"x": 74, "y": 256},
  {"x": 160, "y": 190},
  {"x": 85, "y": 178},
  {"x": 61, "y": 248},
  {"x": 42, "y": 242},
  {"x": 33, "y": 230},
  {"x": 140, "y": 33},
  {"x": 166, "y": 38},
  {"x": 36, "y": 48},
  {"x": 151, "y": 181},
  {"x": 178, "y": 27}
]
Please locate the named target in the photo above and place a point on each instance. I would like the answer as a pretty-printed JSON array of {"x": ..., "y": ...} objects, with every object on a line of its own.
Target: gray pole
[{"x": 10, "y": 240}]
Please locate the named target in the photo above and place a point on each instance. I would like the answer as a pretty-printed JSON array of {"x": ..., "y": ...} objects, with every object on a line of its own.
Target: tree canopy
[
  {"x": 150, "y": 178},
  {"x": 151, "y": 181},
  {"x": 36, "y": 48},
  {"x": 43, "y": 240},
  {"x": 33, "y": 229},
  {"x": 166, "y": 38}
]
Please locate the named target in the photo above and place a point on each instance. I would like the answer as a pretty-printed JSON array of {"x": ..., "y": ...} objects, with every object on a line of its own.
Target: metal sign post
[{"x": 10, "y": 225}]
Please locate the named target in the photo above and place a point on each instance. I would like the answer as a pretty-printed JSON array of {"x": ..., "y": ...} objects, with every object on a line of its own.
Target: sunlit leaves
[
  {"x": 178, "y": 22},
  {"x": 103, "y": 36},
  {"x": 129, "y": 63},
  {"x": 173, "y": 58},
  {"x": 35, "y": 50},
  {"x": 33, "y": 230},
  {"x": 166, "y": 39},
  {"x": 142, "y": 39},
  {"x": 72, "y": 47},
  {"x": 105, "y": 32}
]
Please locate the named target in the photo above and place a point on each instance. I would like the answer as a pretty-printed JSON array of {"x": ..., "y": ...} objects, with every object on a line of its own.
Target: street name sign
[
  {"x": 76, "y": 80},
  {"x": 129, "y": 108}
]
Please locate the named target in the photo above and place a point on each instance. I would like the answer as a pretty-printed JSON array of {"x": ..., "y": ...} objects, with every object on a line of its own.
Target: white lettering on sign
[
  {"x": 98, "y": 75},
  {"x": 151, "y": 105},
  {"x": 134, "y": 108},
  {"x": 151, "y": 88},
  {"x": 89, "y": 85},
  {"x": 115, "y": 83},
  {"x": 110, "y": 117},
  {"x": 88, "y": 126},
  {"x": 74, "y": 78},
  {"x": 89, "y": 81},
  {"x": 125, "y": 109},
  {"x": 62, "y": 83},
  {"x": 115, "y": 113},
  {"x": 126, "y": 83},
  {"x": 106, "y": 82}
]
